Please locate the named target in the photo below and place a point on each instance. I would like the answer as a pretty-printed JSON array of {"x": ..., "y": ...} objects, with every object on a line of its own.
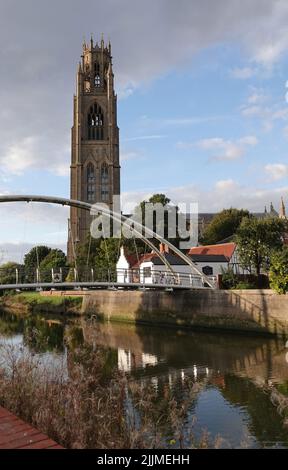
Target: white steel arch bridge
[{"x": 197, "y": 278}]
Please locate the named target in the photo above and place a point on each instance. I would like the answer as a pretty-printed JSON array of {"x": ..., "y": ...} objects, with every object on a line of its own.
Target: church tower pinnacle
[
  {"x": 95, "y": 169},
  {"x": 282, "y": 212}
]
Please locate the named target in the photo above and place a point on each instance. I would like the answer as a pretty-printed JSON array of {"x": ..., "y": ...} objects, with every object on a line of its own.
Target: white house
[
  {"x": 211, "y": 260},
  {"x": 150, "y": 269},
  {"x": 214, "y": 259},
  {"x": 124, "y": 267}
]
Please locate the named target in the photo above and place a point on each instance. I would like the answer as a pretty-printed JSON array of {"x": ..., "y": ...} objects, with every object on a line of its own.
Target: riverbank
[
  {"x": 257, "y": 311},
  {"x": 34, "y": 302}
]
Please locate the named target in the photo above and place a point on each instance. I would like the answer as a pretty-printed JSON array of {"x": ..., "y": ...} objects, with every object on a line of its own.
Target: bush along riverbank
[
  {"x": 87, "y": 404},
  {"x": 33, "y": 302}
]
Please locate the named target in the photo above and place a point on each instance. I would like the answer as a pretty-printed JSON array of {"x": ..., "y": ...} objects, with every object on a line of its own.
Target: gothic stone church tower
[{"x": 95, "y": 170}]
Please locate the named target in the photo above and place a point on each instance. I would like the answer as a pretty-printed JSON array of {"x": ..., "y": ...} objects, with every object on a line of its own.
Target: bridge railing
[
  {"x": 66, "y": 274},
  {"x": 155, "y": 276}
]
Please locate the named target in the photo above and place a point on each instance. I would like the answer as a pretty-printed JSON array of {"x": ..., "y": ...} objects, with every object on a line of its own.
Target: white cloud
[
  {"x": 276, "y": 171},
  {"x": 243, "y": 73},
  {"x": 248, "y": 140},
  {"x": 227, "y": 149},
  {"x": 257, "y": 97},
  {"x": 145, "y": 137},
  {"x": 226, "y": 185},
  {"x": 223, "y": 194},
  {"x": 267, "y": 114},
  {"x": 126, "y": 89},
  {"x": 285, "y": 132},
  {"x": 253, "y": 111},
  {"x": 19, "y": 156},
  {"x": 34, "y": 152},
  {"x": 269, "y": 53},
  {"x": 177, "y": 121}
]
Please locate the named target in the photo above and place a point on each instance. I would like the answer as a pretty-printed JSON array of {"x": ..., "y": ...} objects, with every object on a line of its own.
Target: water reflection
[{"x": 241, "y": 382}]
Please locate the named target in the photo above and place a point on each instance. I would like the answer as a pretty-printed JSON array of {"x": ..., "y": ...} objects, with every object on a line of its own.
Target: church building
[{"x": 95, "y": 169}]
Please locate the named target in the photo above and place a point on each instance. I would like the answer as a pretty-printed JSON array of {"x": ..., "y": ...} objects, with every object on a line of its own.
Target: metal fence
[{"x": 18, "y": 276}]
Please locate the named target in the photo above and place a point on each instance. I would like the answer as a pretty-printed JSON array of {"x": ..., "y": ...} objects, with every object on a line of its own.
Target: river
[{"x": 242, "y": 394}]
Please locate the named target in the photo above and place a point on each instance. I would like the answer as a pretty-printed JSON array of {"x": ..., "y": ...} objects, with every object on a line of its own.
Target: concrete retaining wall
[{"x": 245, "y": 310}]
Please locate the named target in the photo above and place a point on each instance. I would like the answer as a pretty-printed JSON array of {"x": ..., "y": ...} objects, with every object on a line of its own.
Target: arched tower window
[
  {"x": 95, "y": 123},
  {"x": 91, "y": 183},
  {"x": 97, "y": 81},
  {"x": 104, "y": 183},
  {"x": 97, "y": 78}
]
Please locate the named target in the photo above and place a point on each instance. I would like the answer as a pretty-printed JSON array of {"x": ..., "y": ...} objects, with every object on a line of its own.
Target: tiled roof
[
  {"x": 225, "y": 249},
  {"x": 172, "y": 259},
  {"x": 209, "y": 258},
  {"x": 210, "y": 253},
  {"x": 146, "y": 257},
  {"x": 131, "y": 259}
]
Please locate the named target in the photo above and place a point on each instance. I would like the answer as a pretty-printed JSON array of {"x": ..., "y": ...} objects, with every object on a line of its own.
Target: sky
[{"x": 202, "y": 106}]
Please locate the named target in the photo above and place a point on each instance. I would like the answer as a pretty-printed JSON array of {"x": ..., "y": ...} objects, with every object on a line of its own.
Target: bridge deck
[
  {"x": 16, "y": 434},
  {"x": 98, "y": 285}
]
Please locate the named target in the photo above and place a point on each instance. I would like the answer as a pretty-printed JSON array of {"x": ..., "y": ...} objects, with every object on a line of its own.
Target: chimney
[{"x": 163, "y": 248}]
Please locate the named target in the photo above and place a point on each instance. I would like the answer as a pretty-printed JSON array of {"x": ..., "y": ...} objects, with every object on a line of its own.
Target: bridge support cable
[
  {"x": 89, "y": 249},
  {"x": 138, "y": 227},
  {"x": 70, "y": 233},
  {"x": 107, "y": 254},
  {"x": 38, "y": 275}
]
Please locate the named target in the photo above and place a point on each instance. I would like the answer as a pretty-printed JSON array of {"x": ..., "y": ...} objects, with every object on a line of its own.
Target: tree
[
  {"x": 256, "y": 240},
  {"x": 223, "y": 225},
  {"x": 103, "y": 254},
  {"x": 8, "y": 272},
  {"x": 107, "y": 256},
  {"x": 32, "y": 261},
  {"x": 159, "y": 226},
  {"x": 55, "y": 259},
  {"x": 97, "y": 253},
  {"x": 279, "y": 271}
]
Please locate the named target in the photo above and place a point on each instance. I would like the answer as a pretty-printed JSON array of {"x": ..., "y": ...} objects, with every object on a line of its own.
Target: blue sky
[{"x": 201, "y": 104}]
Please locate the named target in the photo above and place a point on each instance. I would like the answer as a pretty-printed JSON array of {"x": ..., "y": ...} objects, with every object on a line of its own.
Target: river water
[{"x": 242, "y": 393}]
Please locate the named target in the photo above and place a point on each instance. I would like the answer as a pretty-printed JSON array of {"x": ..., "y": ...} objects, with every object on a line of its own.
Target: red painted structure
[{"x": 16, "y": 434}]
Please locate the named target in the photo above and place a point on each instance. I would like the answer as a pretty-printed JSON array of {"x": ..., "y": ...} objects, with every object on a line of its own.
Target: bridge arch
[{"x": 118, "y": 217}]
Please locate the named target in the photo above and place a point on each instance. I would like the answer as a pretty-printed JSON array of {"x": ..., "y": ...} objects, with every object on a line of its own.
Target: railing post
[
  {"x": 17, "y": 276},
  {"x": 75, "y": 275},
  {"x": 92, "y": 275},
  {"x": 37, "y": 275},
  {"x": 52, "y": 274}
]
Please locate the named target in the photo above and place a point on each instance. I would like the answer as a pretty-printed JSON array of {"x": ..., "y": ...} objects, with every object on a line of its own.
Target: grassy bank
[{"x": 34, "y": 302}]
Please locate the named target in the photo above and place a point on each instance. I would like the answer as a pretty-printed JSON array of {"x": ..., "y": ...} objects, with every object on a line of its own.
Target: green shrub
[
  {"x": 244, "y": 285},
  {"x": 279, "y": 271},
  {"x": 229, "y": 279}
]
